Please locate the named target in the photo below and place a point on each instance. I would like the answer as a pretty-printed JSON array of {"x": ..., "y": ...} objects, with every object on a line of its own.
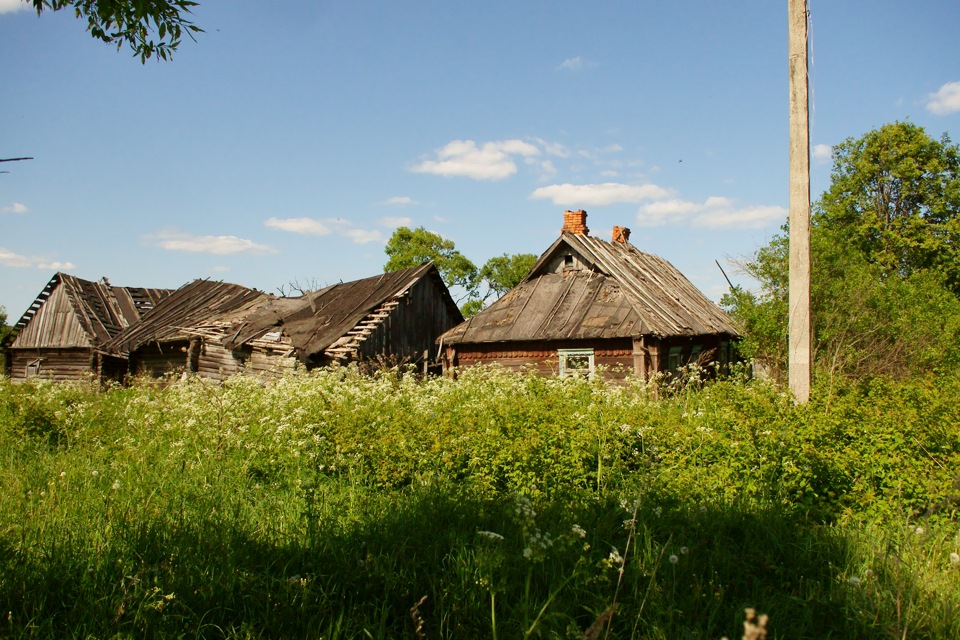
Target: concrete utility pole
[{"x": 799, "y": 300}]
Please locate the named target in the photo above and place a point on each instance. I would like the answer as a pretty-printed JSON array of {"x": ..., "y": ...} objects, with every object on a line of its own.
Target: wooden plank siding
[
  {"x": 58, "y": 365},
  {"x": 412, "y": 327}
]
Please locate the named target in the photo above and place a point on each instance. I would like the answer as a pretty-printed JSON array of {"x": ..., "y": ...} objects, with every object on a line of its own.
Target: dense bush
[{"x": 329, "y": 504}]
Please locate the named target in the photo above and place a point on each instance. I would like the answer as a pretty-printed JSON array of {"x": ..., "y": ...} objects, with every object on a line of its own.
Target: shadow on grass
[{"x": 688, "y": 572}]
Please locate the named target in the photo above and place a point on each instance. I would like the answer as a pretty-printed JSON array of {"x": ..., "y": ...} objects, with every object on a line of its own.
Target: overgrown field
[{"x": 333, "y": 505}]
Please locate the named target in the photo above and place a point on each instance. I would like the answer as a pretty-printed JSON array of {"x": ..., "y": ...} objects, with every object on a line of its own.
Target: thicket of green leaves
[
  {"x": 330, "y": 504},
  {"x": 885, "y": 258}
]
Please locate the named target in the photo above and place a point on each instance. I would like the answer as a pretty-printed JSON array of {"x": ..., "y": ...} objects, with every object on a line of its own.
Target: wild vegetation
[{"x": 338, "y": 505}]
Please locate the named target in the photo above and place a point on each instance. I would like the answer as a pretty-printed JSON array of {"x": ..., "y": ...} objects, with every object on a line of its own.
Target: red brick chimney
[
  {"x": 575, "y": 222},
  {"x": 621, "y": 235}
]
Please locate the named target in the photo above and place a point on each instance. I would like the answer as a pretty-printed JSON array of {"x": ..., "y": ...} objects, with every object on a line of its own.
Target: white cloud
[
  {"x": 715, "y": 212},
  {"x": 220, "y": 269},
  {"x": 392, "y": 222},
  {"x": 399, "y": 201},
  {"x": 821, "y": 152},
  {"x": 10, "y": 259},
  {"x": 305, "y": 226},
  {"x": 587, "y": 195},
  {"x": 217, "y": 245},
  {"x": 55, "y": 266},
  {"x": 490, "y": 161},
  {"x": 571, "y": 64},
  {"x": 363, "y": 236},
  {"x": 12, "y": 6},
  {"x": 946, "y": 100},
  {"x": 16, "y": 207}
]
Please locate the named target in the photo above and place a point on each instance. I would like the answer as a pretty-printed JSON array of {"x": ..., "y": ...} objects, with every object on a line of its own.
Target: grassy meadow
[{"x": 337, "y": 505}]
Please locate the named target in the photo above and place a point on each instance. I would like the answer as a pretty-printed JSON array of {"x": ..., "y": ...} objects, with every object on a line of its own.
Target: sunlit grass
[{"x": 334, "y": 505}]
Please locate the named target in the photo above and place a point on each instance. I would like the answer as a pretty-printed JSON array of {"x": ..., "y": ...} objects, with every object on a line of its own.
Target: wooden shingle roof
[
  {"x": 72, "y": 312},
  {"x": 620, "y": 292},
  {"x": 178, "y": 315}
]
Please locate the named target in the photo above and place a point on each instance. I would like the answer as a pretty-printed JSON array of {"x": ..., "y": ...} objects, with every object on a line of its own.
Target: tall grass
[{"x": 336, "y": 505}]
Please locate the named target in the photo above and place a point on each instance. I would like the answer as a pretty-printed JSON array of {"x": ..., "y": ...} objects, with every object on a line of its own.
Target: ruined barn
[
  {"x": 588, "y": 304},
  {"x": 218, "y": 329},
  {"x": 63, "y": 333}
]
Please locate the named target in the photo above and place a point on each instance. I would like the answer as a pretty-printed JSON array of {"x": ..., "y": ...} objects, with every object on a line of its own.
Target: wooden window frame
[{"x": 568, "y": 372}]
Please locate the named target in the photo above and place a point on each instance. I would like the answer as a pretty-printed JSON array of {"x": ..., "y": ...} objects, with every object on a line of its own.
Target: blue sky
[{"x": 290, "y": 139}]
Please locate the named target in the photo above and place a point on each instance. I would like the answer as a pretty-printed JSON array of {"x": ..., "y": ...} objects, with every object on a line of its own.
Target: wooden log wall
[
  {"x": 58, "y": 365},
  {"x": 615, "y": 356}
]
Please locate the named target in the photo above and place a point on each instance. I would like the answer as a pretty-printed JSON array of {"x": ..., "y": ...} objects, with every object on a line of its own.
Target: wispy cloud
[
  {"x": 487, "y": 161},
  {"x": 363, "y": 236},
  {"x": 821, "y": 152},
  {"x": 715, "y": 212},
  {"x": 392, "y": 222},
  {"x": 337, "y": 226},
  {"x": 16, "y": 208},
  {"x": 11, "y": 6},
  {"x": 607, "y": 193},
  {"x": 571, "y": 64},
  {"x": 304, "y": 226},
  {"x": 399, "y": 201},
  {"x": 10, "y": 259},
  {"x": 946, "y": 100},
  {"x": 217, "y": 245}
]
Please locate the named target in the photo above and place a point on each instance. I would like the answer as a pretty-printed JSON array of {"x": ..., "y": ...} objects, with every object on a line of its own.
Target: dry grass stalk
[
  {"x": 417, "y": 618},
  {"x": 593, "y": 631}
]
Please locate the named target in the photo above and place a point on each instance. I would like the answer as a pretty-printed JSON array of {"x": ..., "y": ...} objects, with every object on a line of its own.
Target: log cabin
[
  {"x": 589, "y": 305},
  {"x": 62, "y": 335}
]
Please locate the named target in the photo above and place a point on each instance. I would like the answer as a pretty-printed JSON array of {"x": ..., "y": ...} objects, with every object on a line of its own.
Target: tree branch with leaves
[{"x": 151, "y": 28}]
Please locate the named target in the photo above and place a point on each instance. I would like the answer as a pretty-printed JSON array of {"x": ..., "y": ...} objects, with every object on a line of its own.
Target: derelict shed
[
  {"x": 587, "y": 302},
  {"x": 62, "y": 336},
  {"x": 183, "y": 332},
  {"x": 394, "y": 316},
  {"x": 218, "y": 329}
]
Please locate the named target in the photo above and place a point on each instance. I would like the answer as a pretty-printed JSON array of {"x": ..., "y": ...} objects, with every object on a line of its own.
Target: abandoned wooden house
[
  {"x": 63, "y": 333},
  {"x": 586, "y": 303},
  {"x": 218, "y": 329}
]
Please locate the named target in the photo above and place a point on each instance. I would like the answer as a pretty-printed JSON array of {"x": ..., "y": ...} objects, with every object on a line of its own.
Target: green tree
[
  {"x": 412, "y": 247},
  {"x": 132, "y": 22},
  {"x": 502, "y": 273},
  {"x": 4, "y": 332},
  {"x": 895, "y": 193},
  {"x": 883, "y": 282}
]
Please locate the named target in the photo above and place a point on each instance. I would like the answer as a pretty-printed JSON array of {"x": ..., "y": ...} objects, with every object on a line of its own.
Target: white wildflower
[
  {"x": 919, "y": 531},
  {"x": 116, "y": 485},
  {"x": 490, "y": 535},
  {"x": 63, "y": 474},
  {"x": 955, "y": 558},
  {"x": 615, "y": 556},
  {"x": 674, "y": 559},
  {"x": 580, "y": 532},
  {"x": 854, "y": 580},
  {"x": 684, "y": 551},
  {"x": 94, "y": 473}
]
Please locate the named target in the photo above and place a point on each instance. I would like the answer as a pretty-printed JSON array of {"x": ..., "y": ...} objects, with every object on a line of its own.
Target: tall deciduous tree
[
  {"x": 149, "y": 27},
  {"x": 895, "y": 193},
  {"x": 884, "y": 249},
  {"x": 412, "y": 247}
]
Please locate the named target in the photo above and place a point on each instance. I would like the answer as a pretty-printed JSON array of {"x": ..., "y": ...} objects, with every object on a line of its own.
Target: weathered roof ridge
[
  {"x": 623, "y": 292},
  {"x": 194, "y": 302},
  {"x": 103, "y": 310}
]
